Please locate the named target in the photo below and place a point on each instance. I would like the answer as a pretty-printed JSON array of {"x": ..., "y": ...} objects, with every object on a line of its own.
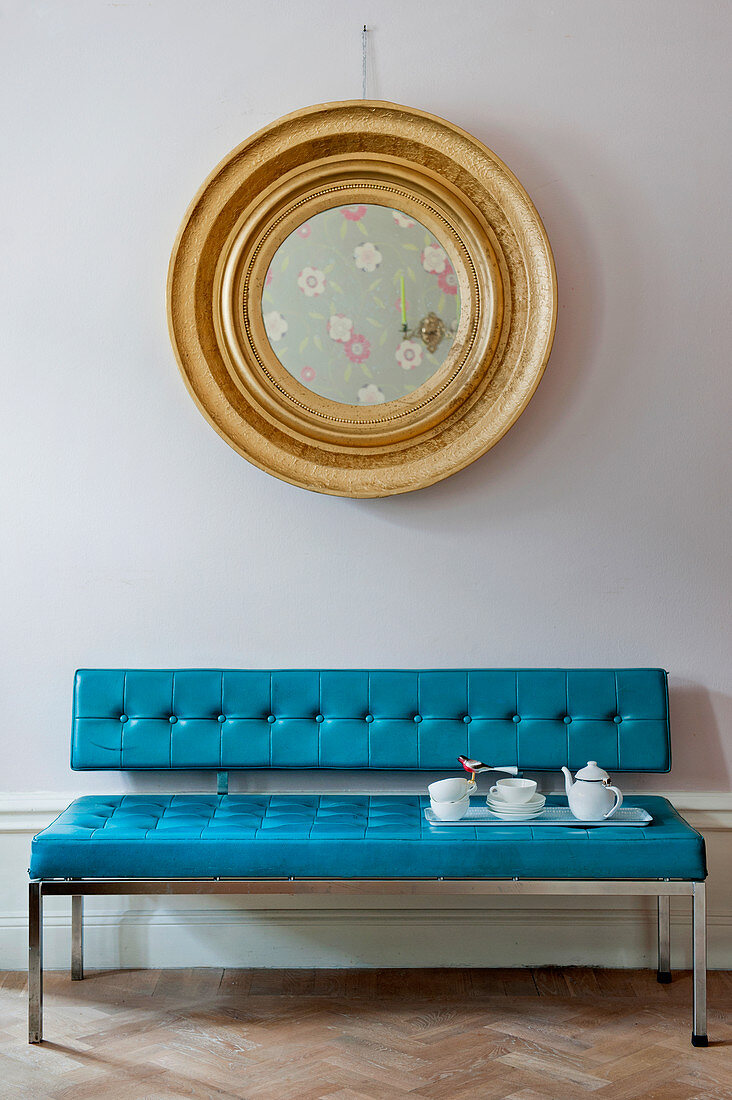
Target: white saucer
[
  {"x": 520, "y": 816},
  {"x": 515, "y": 817},
  {"x": 527, "y": 816},
  {"x": 534, "y": 804},
  {"x": 524, "y": 809},
  {"x": 530, "y": 805}
]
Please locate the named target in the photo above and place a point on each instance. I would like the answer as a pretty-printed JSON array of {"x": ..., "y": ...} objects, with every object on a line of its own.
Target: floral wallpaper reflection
[{"x": 333, "y": 301}]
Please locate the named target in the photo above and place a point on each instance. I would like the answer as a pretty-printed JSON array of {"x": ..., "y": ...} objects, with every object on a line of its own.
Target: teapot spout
[{"x": 568, "y": 781}]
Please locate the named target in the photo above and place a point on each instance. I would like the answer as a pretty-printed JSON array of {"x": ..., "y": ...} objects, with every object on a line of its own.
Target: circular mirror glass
[{"x": 361, "y": 304}]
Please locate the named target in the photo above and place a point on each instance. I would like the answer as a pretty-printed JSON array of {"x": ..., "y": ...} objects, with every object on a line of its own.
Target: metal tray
[{"x": 552, "y": 815}]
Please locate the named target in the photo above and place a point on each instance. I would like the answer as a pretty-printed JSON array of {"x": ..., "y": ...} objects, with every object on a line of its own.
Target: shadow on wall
[
  {"x": 698, "y": 760},
  {"x": 697, "y": 755},
  {"x": 587, "y": 280}
]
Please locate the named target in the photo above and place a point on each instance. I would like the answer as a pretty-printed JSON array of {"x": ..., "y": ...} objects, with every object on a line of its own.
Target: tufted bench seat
[
  {"x": 380, "y": 720},
  {"x": 350, "y": 837}
]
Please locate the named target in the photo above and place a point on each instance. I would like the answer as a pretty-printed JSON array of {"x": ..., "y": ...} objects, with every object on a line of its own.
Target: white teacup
[
  {"x": 452, "y": 790},
  {"x": 514, "y": 791},
  {"x": 450, "y": 811}
]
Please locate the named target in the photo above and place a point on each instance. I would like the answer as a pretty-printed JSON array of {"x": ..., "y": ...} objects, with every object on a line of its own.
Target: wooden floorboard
[{"x": 207, "y": 1034}]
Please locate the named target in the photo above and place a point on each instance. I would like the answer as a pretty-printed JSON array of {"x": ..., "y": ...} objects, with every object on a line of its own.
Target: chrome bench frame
[{"x": 77, "y": 889}]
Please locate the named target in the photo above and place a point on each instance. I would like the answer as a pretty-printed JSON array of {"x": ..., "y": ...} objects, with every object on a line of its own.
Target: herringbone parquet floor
[{"x": 366, "y": 1035}]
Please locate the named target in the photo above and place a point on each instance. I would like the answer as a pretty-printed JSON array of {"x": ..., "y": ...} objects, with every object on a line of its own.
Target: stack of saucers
[{"x": 515, "y": 811}]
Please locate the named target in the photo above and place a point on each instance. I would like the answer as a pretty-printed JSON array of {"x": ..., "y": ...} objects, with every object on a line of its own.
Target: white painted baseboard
[
  {"x": 364, "y": 938},
  {"x": 148, "y": 932}
]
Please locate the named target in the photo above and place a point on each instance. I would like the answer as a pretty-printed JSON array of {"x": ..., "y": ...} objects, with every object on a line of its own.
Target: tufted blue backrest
[{"x": 537, "y": 718}]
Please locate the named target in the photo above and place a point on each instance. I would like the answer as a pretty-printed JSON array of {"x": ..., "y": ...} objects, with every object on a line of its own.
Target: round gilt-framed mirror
[{"x": 362, "y": 299}]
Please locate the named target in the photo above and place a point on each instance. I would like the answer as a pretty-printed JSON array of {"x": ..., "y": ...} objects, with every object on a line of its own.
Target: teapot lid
[{"x": 592, "y": 771}]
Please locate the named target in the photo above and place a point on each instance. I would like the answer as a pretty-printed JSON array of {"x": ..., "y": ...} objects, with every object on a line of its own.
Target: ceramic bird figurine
[{"x": 475, "y": 766}]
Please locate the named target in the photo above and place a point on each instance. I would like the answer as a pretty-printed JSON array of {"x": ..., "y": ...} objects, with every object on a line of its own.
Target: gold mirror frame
[{"x": 338, "y": 154}]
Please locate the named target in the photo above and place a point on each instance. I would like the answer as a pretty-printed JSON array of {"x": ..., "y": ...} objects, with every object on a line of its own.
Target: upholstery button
[
  {"x": 172, "y": 719},
  {"x": 123, "y": 718},
  {"x": 617, "y": 719},
  {"x": 319, "y": 718},
  {"x": 418, "y": 718},
  {"x": 369, "y": 718},
  {"x": 270, "y": 718},
  {"x": 516, "y": 718},
  {"x": 222, "y": 718},
  {"x": 467, "y": 719},
  {"x": 567, "y": 719}
]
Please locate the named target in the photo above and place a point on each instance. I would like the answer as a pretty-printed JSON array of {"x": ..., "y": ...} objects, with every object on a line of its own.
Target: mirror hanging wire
[{"x": 364, "y": 47}]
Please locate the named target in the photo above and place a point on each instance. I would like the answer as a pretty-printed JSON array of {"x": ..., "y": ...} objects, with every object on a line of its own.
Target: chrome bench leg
[
  {"x": 35, "y": 963},
  {"x": 77, "y": 937},
  {"x": 664, "y": 938},
  {"x": 699, "y": 1033}
]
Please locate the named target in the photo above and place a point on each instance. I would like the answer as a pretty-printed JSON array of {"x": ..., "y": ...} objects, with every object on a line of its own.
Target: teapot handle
[{"x": 618, "y": 799}]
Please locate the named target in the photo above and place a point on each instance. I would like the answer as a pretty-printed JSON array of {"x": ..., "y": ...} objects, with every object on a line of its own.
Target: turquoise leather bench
[{"x": 411, "y": 720}]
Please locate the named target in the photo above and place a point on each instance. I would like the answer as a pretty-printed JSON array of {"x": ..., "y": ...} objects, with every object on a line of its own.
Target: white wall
[{"x": 596, "y": 533}]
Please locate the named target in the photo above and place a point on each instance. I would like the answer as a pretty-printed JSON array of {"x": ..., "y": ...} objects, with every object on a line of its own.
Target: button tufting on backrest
[{"x": 212, "y": 718}]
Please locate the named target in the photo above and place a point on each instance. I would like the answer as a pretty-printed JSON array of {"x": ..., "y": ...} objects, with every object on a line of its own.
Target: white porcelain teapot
[{"x": 591, "y": 796}]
